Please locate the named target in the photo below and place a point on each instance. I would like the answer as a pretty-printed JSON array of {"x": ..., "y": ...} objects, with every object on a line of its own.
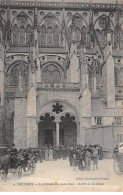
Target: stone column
[
  {"x": 32, "y": 131},
  {"x": 57, "y": 133},
  {"x": 54, "y": 137}
]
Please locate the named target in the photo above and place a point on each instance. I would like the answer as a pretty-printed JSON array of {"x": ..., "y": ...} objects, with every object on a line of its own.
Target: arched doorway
[
  {"x": 49, "y": 134},
  {"x": 46, "y": 130},
  {"x": 68, "y": 130}
]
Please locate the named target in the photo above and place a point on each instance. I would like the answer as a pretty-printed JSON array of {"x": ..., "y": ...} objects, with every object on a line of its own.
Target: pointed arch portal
[{"x": 52, "y": 132}]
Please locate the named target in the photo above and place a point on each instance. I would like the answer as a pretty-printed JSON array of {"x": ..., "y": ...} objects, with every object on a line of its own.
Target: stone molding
[{"x": 79, "y": 5}]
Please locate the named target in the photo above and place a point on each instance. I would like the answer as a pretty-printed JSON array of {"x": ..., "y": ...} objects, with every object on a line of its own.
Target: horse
[{"x": 4, "y": 165}]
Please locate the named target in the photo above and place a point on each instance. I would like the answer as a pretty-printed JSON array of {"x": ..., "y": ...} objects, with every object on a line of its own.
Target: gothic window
[
  {"x": 46, "y": 76},
  {"x": 77, "y": 21},
  {"x": 49, "y": 36},
  {"x": 28, "y": 34},
  {"x": 42, "y": 35},
  {"x": 69, "y": 34},
  {"x": 51, "y": 74},
  {"x": 15, "y": 76},
  {"x": 57, "y": 108},
  {"x": 15, "y": 35},
  {"x": 77, "y": 34},
  {"x": 56, "y": 35},
  {"x": 49, "y": 31},
  {"x": 103, "y": 33},
  {"x": 75, "y": 30},
  {"x": 83, "y": 35},
  {"x": 22, "y": 36},
  {"x": 56, "y": 77},
  {"x": 49, "y": 20},
  {"x": 26, "y": 76},
  {"x": 116, "y": 76}
]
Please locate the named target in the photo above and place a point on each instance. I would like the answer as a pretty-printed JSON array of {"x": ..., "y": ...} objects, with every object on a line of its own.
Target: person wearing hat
[
  {"x": 14, "y": 150},
  {"x": 13, "y": 154}
]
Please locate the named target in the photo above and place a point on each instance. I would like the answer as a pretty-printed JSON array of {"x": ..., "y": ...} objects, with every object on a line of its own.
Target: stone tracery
[
  {"x": 49, "y": 31},
  {"x": 21, "y": 30},
  {"x": 53, "y": 68}
]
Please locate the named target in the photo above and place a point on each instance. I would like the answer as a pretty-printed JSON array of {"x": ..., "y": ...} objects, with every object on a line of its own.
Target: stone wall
[
  {"x": 99, "y": 108},
  {"x": 47, "y": 96},
  {"x": 105, "y": 136},
  {"x": 20, "y": 122},
  {"x": 32, "y": 140}
]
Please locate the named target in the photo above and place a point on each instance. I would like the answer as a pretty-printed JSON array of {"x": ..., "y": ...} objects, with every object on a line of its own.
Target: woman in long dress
[
  {"x": 50, "y": 154},
  {"x": 46, "y": 155}
]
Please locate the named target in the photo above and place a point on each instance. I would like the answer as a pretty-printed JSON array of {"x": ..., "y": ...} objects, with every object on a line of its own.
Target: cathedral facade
[{"x": 61, "y": 73}]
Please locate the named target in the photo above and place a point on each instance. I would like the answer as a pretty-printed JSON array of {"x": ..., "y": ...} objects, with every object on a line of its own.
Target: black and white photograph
[{"x": 61, "y": 95}]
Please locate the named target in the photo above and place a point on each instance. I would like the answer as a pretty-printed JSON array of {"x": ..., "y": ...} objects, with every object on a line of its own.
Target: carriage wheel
[
  {"x": 32, "y": 168},
  {"x": 19, "y": 171},
  {"x": 117, "y": 168},
  {"x": 4, "y": 175}
]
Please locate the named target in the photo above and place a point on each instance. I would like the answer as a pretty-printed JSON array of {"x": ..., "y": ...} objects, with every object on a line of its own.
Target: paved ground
[{"x": 59, "y": 176}]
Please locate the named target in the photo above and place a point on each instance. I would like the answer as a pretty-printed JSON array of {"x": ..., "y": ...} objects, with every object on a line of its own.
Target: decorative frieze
[{"x": 62, "y": 4}]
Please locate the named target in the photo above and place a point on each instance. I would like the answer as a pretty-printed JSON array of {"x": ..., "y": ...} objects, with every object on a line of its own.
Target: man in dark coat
[{"x": 13, "y": 156}]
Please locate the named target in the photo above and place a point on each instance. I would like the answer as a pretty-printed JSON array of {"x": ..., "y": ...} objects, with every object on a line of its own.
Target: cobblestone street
[{"x": 59, "y": 176}]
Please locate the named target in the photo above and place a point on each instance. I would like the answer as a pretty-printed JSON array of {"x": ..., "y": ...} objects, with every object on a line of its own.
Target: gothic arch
[
  {"x": 76, "y": 14},
  {"x": 53, "y": 62},
  {"x": 25, "y": 15},
  {"x": 83, "y": 34},
  {"x": 101, "y": 24},
  {"x": 104, "y": 16},
  {"x": 42, "y": 35},
  {"x": 15, "y": 33},
  {"x": 77, "y": 29},
  {"x": 22, "y": 36},
  {"x": 22, "y": 20},
  {"x": 56, "y": 32},
  {"x": 12, "y": 74},
  {"x": 51, "y": 15},
  {"x": 49, "y": 31},
  {"x": 28, "y": 33},
  {"x": 68, "y": 108},
  {"x": 2, "y": 28},
  {"x": 57, "y": 70},
  {"x": 14, "y": 64}
]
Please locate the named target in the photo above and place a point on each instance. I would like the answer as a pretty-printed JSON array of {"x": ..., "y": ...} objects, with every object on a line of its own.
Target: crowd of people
[{"x": 81, "y": 157}]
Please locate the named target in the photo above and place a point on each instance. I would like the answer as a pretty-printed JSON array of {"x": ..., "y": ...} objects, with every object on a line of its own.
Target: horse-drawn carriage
[
  {"x": 15, "y": 164},
  {"x": 118, "y": 159}
]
